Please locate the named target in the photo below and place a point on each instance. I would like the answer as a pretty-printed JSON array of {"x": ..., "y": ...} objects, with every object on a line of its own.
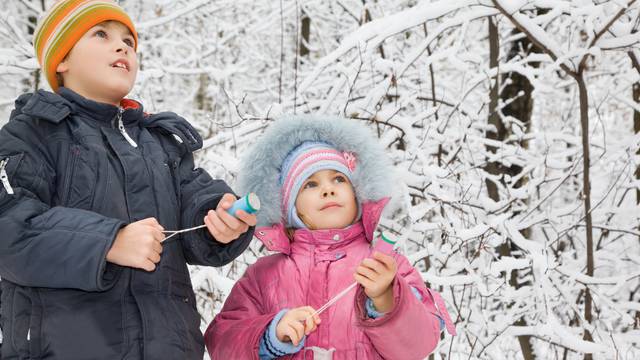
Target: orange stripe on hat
[{"x": 65, "y": 23}]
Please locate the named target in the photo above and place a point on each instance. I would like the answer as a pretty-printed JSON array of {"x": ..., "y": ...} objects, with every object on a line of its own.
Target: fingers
[
  {"x": 230, "y": 221},
  {"x": 311, "y": 324},
  {"x": 217, "y": 228},
  {"x": 153, "y": 222},
  {"x": 157, "y": 247},
  {"x": 223, "y": 226},
  {"x": 374, "y": 265},
  {"x": 226, "y": 201},
  {"x": 387, "y": 260},
  {"x": 154, "y": 257},
  {"x": 211, "y": 226},
  {"x": 246, "y": 218},
  {"x": 310, "y": 320},
  {"x": 365, "y": 282},
  {"x": 295, "y": 332},
  {"x": 158, "y": 235},
  {"x": 368, "y": 272},
  {"x": 148, "y": 266}
]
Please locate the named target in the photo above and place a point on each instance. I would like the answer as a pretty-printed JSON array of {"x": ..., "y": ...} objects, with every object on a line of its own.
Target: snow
[{"x": 231, "y": 68}]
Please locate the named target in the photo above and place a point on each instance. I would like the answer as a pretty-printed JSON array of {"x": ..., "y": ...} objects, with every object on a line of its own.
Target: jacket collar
[
  {"x": 56, "y": 107},
  {"x": 275, "y": 237}
]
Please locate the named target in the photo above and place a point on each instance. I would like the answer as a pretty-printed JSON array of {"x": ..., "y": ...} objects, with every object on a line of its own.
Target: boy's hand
[
  {"x": 292, "y": 327},
  {"x": 138, "y": 245},
  {"x": 224, "y": 227},
  {"x": 376, "y": 276}
]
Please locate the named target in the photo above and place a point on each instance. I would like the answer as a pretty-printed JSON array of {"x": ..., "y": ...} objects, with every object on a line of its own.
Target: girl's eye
[
  {"x": 101, "y": 33},
  {"x": 309, "y": 185},
  {"x": 340, "y": 179}
]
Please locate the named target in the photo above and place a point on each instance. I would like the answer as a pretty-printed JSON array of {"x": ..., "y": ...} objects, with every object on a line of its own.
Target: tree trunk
[
  {"x": 636, "y": 129},
  {"x": 494, "y": 118},
  {"x": 305, "y": 32},
  {"x": 519, "y": 93},
  {"x": 586, "y": 194}
]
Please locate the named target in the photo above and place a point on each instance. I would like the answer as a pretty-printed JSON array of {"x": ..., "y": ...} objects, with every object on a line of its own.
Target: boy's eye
[
  {"x": 129, "y": 42},
  {"x": 101, "y": 33}
]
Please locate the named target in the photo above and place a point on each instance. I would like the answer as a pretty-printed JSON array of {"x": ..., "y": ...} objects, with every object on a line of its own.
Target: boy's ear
[{"x": 63, "y": 66}]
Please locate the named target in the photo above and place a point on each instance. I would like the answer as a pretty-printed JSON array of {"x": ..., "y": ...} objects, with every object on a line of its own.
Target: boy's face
[
  {"x": 102, "y": 66},
  {"x": 327, "y": 201}
]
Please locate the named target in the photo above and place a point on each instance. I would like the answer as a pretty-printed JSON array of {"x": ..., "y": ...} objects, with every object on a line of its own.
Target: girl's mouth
[{"x": 329, "y": 205}]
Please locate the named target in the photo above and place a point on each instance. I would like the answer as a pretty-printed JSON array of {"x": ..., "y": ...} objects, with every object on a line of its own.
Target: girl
[{"x": 323, "y": 184}]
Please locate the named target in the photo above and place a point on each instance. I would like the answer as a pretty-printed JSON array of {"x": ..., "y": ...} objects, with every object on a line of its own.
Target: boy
[{"x": 87, "y": 180}]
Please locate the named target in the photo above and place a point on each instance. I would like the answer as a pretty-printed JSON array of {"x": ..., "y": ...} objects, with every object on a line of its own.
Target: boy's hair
[{"x": 65, "y": 23}]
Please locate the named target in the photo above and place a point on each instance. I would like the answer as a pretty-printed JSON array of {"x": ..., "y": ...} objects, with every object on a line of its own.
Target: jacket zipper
[
  {"x": 123, "y": 131},
  {"x": 4, "y": 177}
]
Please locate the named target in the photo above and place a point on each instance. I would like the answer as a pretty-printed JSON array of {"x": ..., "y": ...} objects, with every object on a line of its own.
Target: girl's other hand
[
  {"x": 376, "y": 275},
  {"x": 293, "y": 326}
]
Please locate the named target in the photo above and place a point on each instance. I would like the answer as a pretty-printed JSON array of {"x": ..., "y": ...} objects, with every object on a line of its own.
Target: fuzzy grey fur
[{"x": 260, "y": 170}]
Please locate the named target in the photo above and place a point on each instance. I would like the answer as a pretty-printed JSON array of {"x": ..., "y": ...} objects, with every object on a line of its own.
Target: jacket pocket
[
  {"x": 183, "y": 301},
  {"x": 24, "y": 322},
  {"x": 65, "y": 189},
  {"x": 175, "y": 176}
]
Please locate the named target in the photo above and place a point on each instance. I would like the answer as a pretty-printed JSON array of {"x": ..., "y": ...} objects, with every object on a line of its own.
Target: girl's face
[{"x": 327, "y": 201}]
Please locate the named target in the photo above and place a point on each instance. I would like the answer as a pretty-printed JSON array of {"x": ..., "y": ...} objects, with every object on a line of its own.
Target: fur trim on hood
[{"x": 260, "y": 170}]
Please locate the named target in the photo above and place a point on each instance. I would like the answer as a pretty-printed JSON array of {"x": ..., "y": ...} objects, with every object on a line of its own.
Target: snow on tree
[{"x": 513, "y": 125}]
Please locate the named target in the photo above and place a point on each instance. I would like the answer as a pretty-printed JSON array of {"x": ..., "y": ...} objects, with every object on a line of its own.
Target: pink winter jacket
[{"x": 310, "y": 270}]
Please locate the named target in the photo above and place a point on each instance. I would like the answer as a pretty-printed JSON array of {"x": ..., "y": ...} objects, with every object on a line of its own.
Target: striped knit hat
[
  {"x": 65, "y": 23},
  {"x": 302, "y": 162}
]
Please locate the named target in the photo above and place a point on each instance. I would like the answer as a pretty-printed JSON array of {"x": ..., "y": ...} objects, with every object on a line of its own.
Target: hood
[
  {"x": 42, "y": 105},
  {"x": 260, "y": 169},
  {"x": 54, "y": 108}
]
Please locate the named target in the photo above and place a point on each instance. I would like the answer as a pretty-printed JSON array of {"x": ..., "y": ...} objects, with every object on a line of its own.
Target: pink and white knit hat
[{"x": 302, "y": 162}]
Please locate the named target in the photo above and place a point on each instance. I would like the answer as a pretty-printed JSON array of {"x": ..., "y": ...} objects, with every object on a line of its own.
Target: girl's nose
[{"x": 328, "y": 192}]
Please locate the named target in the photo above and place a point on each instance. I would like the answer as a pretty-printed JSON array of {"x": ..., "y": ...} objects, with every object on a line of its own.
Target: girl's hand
[
  {"x": 292, "y": 327},
  {"x": 376, "y": 276},
  {"x": 225, "y": 227}
]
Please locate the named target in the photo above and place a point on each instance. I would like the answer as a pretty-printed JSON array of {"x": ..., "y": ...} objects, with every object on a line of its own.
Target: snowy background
[{"x": 497, "y": 114}]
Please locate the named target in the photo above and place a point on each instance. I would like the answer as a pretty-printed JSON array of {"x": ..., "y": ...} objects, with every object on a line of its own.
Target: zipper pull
[
  {"x": 4, "y": 177},
  {"x": 123, "y": 131}
]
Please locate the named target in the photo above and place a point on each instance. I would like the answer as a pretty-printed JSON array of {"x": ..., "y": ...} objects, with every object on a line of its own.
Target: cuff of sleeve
[
  {"x": 374, "y": 314},
  {"x": 419, "y": 297},
  {"x": 273, "y": 344},
  {"x": 371, "y": 309},
  {"x": 108, "y": 272}
]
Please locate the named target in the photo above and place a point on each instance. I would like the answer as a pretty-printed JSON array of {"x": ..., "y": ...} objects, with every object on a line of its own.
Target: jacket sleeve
[
  {"x": 40, "y": 245},
  {"x": 199, "y": 193},
  {"x": 236, "y": 331},
  {"x": 411, "y": 329}
]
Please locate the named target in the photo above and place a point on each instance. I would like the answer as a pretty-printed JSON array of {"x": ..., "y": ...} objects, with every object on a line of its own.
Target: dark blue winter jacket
[{"x": 72, "y": 176}]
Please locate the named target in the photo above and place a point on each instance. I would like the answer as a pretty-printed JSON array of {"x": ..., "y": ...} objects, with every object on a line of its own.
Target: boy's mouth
[{"x": 121, "y": 63}]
